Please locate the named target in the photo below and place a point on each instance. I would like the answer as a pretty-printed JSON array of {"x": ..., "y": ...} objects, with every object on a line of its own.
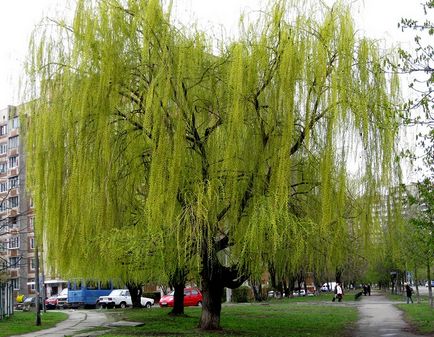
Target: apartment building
[
  {"x": 17, "y": 242},
  {"x": 16, "y": 212}
]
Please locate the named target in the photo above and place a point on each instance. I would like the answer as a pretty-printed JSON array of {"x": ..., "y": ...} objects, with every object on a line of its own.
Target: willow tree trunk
[
  {"x": 215, "y": 277},
  {"x": 178, "y": 299},
  {"x": 212, "y": 292},
  {"x": 136, "y": 294}
]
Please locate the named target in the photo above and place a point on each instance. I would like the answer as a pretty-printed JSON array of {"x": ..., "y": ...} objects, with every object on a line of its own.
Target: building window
[
  {"x": 13, "y": 182},
  {"x": 15, "y": 283},
  {"x": 3, "y": 206},
  {"x": 14, "y": 242},
  {"x": 15, "y": 123},
  {"x": 31, "y": 283},
  {"x": 3, "y": 247},
  {"x": 13, "y": 223},
  {"x": 3, "y": 130},
  {"x": 13, "y": 202},
  {"x": 14, "y": 262},
  {"x": 31, "y": 223},
  {"x": 3, "y": 186},
  {"x": 3, "y": 167},
  {"x": 3, "y": 148},
  {"x": 32, "y": 243},
  {"x": 13, "y": 142},
  {"x": 13, "y": 161},
  {"x": 32, "y": 263},
  {"x": 4, "y": 226}
]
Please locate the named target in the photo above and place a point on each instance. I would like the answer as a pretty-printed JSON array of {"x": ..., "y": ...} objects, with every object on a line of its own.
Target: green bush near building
[{"x": 242, "y": 295}]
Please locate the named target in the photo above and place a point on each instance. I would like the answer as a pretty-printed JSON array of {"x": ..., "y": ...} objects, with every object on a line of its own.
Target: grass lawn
[
  {"x": 420, "y": 315},
  {"x": 277, "y": 318},
  {"x": 24, "y": 322}
]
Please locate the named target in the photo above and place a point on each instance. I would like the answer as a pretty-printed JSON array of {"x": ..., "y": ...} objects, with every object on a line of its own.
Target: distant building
[{"x": 17, "y": 242}]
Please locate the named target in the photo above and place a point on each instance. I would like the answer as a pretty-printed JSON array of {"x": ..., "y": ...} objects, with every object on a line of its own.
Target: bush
[{"x": 242, "y": 295}]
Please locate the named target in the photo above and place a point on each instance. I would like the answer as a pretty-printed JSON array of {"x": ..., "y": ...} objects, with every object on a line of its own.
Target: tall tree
[
  {"x": 419, "y": 64},
  {"x": 423, "y": 226},
  {"x": 209, "y": 159}
]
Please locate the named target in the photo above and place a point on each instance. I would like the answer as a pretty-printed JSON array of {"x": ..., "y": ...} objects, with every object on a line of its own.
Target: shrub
[
  {"x": 155, "y": 295},
  {"x": 242, "y": 295}
]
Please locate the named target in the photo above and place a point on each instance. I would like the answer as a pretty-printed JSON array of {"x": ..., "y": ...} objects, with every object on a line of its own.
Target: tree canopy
[{"x": 147, "y": 146}]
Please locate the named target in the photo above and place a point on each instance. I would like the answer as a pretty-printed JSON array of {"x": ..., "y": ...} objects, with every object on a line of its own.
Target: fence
[{"x": 6, "y": 300}]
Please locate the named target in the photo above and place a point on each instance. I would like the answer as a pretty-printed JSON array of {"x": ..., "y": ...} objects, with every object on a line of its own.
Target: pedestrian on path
[
  {"x": 339, "y": 293},
  {"x": 409, "y": 292}
]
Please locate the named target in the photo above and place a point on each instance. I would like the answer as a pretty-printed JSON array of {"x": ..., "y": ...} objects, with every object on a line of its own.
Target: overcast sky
[{"x": 376, "y": 18}]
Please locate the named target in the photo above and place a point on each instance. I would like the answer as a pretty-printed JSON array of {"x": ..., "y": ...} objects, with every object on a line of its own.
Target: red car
[
  {"x": 192, "y": 297},
  {"x": 51, "y": 302}
]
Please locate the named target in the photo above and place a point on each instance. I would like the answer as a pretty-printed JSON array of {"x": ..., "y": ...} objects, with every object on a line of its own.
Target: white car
[
  {"x": 121, "y": 298},
  {"x": 62, "y": 299},
  {"x": 302, "y": 292}
]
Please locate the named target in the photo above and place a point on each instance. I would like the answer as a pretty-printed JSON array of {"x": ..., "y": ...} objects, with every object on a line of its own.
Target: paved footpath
[
  {"x": 77, "y": 321},
  {"x": 380, "y": 318}
]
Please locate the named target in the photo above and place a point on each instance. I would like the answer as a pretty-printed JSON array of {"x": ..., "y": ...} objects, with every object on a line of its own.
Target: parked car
[
  {"x": 277, "y": 294},
  {"x": 432, "y": 283},
  {"x": 62, "y": 299},
  {"x": 192, "y": 297},
  {"x": 51, "y": 302},
  {"x": 30, "y": 302},
  {"x": 302, "y": 292},
  {"x": 122, "y": 298}
]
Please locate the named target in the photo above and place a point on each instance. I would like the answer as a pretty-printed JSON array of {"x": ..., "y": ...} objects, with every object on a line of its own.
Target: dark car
[
  {"x": 51, "y": 302},
  {"x": 192, "y": 297}
]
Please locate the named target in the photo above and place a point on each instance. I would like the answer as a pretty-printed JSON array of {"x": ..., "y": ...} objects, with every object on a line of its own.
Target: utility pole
[
  {"x": 37, "y": 288},
  {"x": 44, "y": 290}
]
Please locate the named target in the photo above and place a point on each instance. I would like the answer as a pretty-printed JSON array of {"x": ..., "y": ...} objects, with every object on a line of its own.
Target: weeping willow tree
[{"x": 217, "y": 162}]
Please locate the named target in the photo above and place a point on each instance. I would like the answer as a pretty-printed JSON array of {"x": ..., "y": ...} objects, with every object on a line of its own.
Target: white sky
[
  {"x": 374, "y": 18},
  {"x": 377, "y": 18}
]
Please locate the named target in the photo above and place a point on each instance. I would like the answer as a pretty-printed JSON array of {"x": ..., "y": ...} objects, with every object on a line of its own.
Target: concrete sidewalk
[
  {"x": 77, "y": 321},
  {"x": 380, "y": 318}
]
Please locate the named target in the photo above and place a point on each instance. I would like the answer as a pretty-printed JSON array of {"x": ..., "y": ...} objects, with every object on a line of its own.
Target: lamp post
[{"x": 37, "y": 288}]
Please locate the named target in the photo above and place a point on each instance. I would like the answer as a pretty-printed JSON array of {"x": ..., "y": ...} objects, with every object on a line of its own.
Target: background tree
[
  {"x": 211, "y": 160},
  {"x": 423, "y": 226},
  {"x": 419, "y": 63}
]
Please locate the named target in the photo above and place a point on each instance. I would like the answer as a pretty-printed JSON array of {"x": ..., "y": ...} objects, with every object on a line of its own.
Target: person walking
[
  {"x": 409, "y": 292},
  {"x": 339, "y": 292}
]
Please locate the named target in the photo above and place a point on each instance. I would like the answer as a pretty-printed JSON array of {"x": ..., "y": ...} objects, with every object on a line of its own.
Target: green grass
[
  {"x": 275, "y": 319},
  {"x": 419, "y": 315},
  {"x": 24, "y": 322}
]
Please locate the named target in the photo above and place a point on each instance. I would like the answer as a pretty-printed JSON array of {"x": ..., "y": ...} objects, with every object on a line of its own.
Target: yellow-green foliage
[{"x": 145, "y": 147}]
